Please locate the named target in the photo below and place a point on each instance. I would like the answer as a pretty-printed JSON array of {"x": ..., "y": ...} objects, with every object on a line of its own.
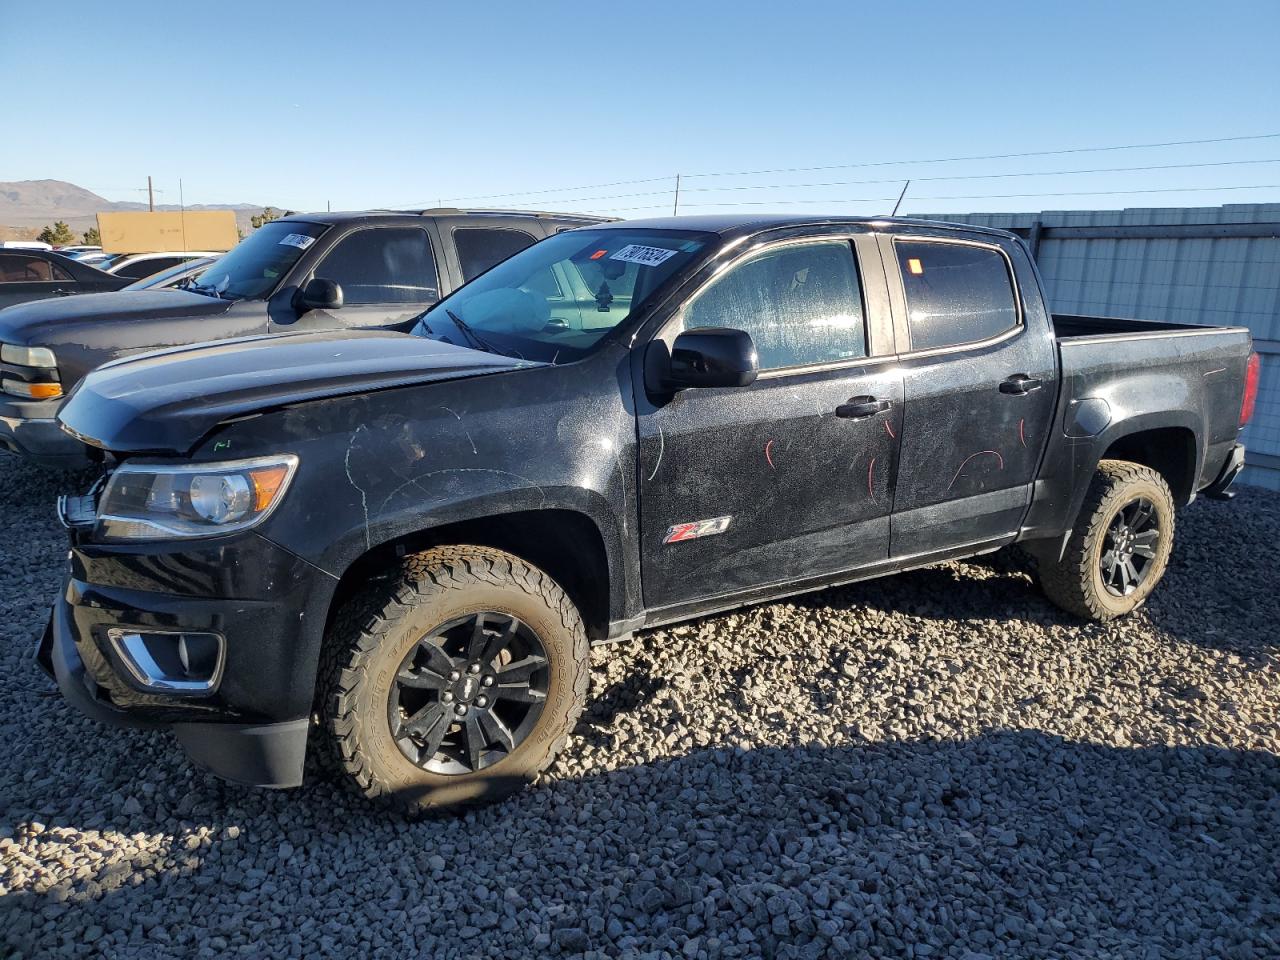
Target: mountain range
[{"x": 27, "y": 206}]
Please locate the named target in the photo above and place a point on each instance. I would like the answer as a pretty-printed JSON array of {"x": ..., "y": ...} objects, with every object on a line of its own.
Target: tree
[
  {"x": 92, "y": 237},
  {"x": 268, "y": 214},
  {"x": 57, "y": 235}
]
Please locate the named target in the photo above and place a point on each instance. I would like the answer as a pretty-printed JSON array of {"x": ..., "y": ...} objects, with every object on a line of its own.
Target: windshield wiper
[{"x": 470, "y": 332}]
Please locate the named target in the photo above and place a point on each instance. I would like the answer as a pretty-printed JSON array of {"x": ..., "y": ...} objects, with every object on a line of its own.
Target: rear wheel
[
  {"x": 458, "y": 688},
  {"x": 1120, "y": 546}
]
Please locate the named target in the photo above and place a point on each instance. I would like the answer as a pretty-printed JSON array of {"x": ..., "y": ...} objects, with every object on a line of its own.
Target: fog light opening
[{"x": 180, "y": 663}]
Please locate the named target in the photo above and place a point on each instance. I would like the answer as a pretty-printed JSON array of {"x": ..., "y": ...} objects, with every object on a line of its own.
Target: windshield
[
  {"x": 556, "y": 300},
  {"x": 255, "y": 265}
]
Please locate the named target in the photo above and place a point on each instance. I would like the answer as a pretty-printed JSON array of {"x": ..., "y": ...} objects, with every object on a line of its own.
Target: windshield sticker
[
  {"x": 645, "y": 256},
  {"x": 299, "y": 240}
]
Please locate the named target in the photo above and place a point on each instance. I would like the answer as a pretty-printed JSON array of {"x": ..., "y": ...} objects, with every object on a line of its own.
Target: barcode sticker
[
  {"x": 299, "y": 240},
  {"x": 645, "y": 256}
]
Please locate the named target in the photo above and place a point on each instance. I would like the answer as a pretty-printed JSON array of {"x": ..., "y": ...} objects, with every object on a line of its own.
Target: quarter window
[
  {"x": 480, "y": 248},
  {"x": 956, "y": 293},
  {"x": 801, "y": 304},
  {"x": 383, "y": 265}
]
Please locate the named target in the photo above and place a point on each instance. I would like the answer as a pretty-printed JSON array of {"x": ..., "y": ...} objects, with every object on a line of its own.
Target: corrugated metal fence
[{"x": 1211, "y": 265}]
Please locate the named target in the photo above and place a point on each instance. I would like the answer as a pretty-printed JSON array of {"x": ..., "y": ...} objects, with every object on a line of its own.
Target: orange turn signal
[
  {"x": 32, "y": 391},
  {"x": 266, "y": 484}
]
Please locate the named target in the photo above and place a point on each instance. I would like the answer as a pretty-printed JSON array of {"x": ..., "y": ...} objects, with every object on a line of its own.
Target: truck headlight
[
  {"x": 167, "y": 501},
  {"x": 27, "y": 356}
]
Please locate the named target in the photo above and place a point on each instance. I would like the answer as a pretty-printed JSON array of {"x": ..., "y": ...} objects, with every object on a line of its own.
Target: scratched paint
[
  {"x": 889, "y": 430},
  {"x": 768, "y": 454},
  {"x": 965, "y": 461},
  {"x": 871, "y": 467},
  {"x": 1022, "y": 431}
]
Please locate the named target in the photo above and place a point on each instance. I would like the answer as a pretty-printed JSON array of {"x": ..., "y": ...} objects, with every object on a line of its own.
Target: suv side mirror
[
  {"x": 320, "y": 294},
  {"x": 712, "y": 357}
]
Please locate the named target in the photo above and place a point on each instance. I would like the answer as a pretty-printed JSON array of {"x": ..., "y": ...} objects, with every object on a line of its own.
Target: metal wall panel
[{"x": 1228, "y": 280}]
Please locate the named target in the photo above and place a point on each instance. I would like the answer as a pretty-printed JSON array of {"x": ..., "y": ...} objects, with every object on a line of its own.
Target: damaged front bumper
[{"x": 249, "y": 722}]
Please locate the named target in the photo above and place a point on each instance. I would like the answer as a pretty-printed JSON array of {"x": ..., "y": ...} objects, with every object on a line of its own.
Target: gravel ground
[{"x": 934, "y": 765}]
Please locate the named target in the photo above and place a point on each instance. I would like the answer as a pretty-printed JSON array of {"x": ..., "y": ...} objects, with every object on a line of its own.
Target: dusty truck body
[
  {"x": 301, "y": 273},
  {"x": 399, "y": 546}
]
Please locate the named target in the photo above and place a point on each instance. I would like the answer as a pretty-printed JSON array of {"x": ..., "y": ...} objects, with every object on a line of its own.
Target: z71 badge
[{"x": 696, "y": 529}]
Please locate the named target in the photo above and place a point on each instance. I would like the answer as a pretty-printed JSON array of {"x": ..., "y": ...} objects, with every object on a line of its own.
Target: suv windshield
[
  {"x": 255, "y": 265},
  {"x": 555, "y": 300}
]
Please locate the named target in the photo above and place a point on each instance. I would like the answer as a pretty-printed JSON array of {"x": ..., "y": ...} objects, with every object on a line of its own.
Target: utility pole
[
  {"x": 675, "y": 207},
  {"x": 151, "y": 197}
]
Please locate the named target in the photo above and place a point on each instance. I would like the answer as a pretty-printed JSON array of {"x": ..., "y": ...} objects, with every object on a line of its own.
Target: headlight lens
[
  {"x": 27, "y": 356},
  {"x": 162, "y": 501}
]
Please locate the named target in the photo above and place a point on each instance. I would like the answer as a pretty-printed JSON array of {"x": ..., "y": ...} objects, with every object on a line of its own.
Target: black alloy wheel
[
  {"x": 1129, "y": 547},
  {"x": 468, "y": 693}
]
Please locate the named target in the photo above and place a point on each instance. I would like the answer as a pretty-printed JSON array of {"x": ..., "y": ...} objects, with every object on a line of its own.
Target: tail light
[{"x": 1252, "y": 371}]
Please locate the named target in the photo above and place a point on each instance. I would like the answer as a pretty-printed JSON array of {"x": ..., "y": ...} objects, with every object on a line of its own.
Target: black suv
[{"x": 302, "y": 273}]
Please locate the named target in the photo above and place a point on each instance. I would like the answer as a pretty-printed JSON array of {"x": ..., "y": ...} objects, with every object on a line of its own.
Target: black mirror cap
[
  {"x": 320, "y": 294},
  {"x": 712, "y": 357}
]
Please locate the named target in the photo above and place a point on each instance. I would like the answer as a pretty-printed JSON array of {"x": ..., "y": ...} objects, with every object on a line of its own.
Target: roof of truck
[{"x": 728, "y": 223}]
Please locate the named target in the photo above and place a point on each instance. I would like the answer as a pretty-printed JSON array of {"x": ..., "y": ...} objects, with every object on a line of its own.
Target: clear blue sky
[{"x": 381, "y": 103}]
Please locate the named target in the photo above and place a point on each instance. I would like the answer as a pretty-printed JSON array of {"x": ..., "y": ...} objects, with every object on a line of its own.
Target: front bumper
[
  {"x": 31, "y": 430},
  {"x": 253, "y": 727}
]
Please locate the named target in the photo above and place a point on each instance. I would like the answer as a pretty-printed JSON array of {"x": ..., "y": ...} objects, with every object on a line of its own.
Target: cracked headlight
[{"x": 166, "y": 501}]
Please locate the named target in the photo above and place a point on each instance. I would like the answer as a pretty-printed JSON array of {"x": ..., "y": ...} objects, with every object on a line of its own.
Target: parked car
[
  {"x": 173, "y": 276},
  {"x": 73, "y": 249},
  {"x": 25, "y": 245},
  {"x": 300, "y": 273},
  {"x": 29, "y": 274},
  {"x": 139, "y": 266},
  {"x": 414, "y": 537}
]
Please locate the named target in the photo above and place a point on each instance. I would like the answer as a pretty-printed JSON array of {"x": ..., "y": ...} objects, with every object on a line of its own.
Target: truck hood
[
  {"x": 167, "y": 401},
  {"x": 59, "y": 320}
]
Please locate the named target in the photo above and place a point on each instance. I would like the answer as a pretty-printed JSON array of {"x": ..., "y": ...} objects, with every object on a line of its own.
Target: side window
[
  {"x": 60, "y": 274},
  {"x": 20, "y": 268},
  {"x": 956, "y": 293},
  {"x": 480, "y": 248},
  {"x": 801, "y": 303},
  {"x": 383, "y": 265},
  {"x": 145, "y": 268}
]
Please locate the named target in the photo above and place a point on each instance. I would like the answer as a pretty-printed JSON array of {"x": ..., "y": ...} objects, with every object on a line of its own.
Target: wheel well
[
  {"x": 1170, "y": 451},
  {"x": 564, "y": 544}
]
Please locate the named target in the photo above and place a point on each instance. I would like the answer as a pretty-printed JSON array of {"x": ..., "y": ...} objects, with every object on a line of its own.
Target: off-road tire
[
  {"x": 1075, "y": 581},
  {"x": 372, "y": 634}
]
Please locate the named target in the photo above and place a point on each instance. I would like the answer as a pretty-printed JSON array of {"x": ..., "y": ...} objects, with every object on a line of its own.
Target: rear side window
[
  {"x": 480, "y": 248},
  {"x": 383, "y": 265},
  {"x": 956, "y": 293},
  {"x": 20, "y": 268},
  {"x": 801, "y": 303}
]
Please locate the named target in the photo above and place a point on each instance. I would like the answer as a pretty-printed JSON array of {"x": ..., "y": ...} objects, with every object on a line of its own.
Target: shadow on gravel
[{"x": 1011, "y": 841}]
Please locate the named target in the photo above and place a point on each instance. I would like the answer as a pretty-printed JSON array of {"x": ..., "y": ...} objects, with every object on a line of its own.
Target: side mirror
[
  {"x": 320, "y": 294},
  {"x": 712, "y": 357}
]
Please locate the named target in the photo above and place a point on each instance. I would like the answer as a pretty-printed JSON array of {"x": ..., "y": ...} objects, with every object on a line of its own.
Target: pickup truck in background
[
  {"x": 399, "y": 545},
  {"x": 304, "y": 272}
]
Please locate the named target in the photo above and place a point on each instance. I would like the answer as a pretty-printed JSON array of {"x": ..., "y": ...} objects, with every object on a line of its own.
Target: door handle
[
  {"x": 1020, "y": 383},
  {"x": 859, "y": 408}
]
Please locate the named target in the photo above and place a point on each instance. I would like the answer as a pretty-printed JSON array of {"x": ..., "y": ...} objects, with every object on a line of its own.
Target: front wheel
[
  {"x": 457, "y": 687},
  {"x": 1120, "y": 546}
]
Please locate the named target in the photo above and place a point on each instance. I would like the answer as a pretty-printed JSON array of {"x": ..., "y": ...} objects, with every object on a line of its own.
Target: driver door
[{"x": 388, "y": 276}]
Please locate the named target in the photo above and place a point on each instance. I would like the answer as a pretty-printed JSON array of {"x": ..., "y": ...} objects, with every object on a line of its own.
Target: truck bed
[{"x": 1067, "y": 326}]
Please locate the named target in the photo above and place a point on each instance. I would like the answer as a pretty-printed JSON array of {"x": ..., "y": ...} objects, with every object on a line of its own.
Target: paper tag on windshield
[
  {"x": 299, "y": 240},
  {"x": 645, "y": 256}
]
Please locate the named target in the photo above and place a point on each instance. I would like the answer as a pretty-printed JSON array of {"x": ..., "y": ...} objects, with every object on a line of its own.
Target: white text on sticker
[
  {"x": 645, "y": 256},
  {"x": 299, "y": 240}
]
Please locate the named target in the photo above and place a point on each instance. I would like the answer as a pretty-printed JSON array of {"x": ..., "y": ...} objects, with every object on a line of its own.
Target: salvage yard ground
[{"x": 940, "y": 764}]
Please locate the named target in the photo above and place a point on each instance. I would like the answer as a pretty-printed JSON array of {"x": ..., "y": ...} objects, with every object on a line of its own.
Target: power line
[
  {"x": 851, "y": 166},
  {"x": 993, "y": 196}
]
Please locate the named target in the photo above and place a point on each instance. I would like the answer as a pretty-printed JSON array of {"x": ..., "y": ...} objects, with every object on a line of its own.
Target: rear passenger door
[
  {"x": 27, "y": 277},
  {"x": 979, "y": 375},
  {"x": 780, "y": 481},
  {"x": 388, "y": 276}
]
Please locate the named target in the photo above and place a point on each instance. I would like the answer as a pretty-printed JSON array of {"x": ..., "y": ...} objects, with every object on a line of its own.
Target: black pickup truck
[
  {"x": 301, "y": 273},
  {"x": 400, "y": 545}
]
